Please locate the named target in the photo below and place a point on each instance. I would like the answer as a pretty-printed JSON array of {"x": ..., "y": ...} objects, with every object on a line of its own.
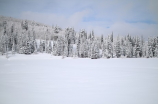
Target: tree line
[{"x": 23, "y": 39}]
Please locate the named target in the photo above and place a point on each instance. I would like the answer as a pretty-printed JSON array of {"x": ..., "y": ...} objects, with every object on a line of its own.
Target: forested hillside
[{"x": 21, "y": 36}]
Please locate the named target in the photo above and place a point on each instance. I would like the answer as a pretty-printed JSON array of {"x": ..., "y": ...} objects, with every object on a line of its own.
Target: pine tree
[
  {"x": 111, "y": 37},
  {"x": 129, "y": 49},
  {"x": 138, "y": 50},
  {"x": 102, "y": 39},
  {"x": 154, "y": 46},
  {"x": 65, "y": 54},
  {"x": 92, "y": 36},
  {"x": 6, "y": 45},
  {"x": 95, "y": 50},
  {"x": 35, "y": 47},
  {"x": 103, "y": 47},
  {"x": 78, "y": 46},
  {"x": 54, "y": 48},
  {"x": 109, "y": 48},
  {"x": 41, "y": 47},
  {"x": 118, "y": 49},
  {"x": 2, "y": 42},
  {"x": 49, "y": 47},
  {"x": 59, "y": 46},
  {"x": 13, "y": 47},
  {"x": 150, "y": 48},
  {"x": 123, "y": 47},
  {"x": 156, "y": 50},
  {"x": 45, "y": 48}
]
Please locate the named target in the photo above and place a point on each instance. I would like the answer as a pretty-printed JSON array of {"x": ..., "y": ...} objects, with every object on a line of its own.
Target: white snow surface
[{"x": 45, "y": 79}]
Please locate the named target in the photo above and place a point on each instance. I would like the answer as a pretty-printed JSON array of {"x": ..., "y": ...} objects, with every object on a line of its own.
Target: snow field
[{"x": 46, "y": 79}]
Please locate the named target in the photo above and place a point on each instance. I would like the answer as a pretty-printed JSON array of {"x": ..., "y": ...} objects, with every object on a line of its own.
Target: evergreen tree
[
  {"x": 109, "y": 48},
  {"x": 156, "y": 50},
  {"x": 13, "y": 47},
  {"x": 78, "y": 46},
  {"x": 35, "y": 47},
  {"x": 41, "y": 47},
  {"x": 95, "y": 50},
  {"x": 49, "y": 47},
  {"x": 118, "y": 49},
  {"x": 111, "y": 37},
  {"x": 138, "y": 49},
  {"x": 102, "y": 39},
  {"x": 65, "y": 52}
]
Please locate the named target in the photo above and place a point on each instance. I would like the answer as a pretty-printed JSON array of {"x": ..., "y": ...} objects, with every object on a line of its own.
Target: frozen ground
[{"x": 45, "y": 79}]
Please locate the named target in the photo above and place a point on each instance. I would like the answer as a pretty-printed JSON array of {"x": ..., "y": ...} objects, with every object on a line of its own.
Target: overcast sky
[{"x": 136, "y": 17}]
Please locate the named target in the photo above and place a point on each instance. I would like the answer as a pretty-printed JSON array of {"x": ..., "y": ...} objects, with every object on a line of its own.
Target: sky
[{"x": 122, "y": 17}]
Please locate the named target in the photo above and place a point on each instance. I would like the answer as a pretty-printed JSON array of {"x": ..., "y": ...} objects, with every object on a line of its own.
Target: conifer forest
[{"x": 29, "y": 37}]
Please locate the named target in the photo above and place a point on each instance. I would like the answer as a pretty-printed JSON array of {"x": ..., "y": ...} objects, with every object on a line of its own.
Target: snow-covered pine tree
[
  {"x": 62, "y": 45},
  {"x": 49, "y": 47},
  {"x": 34, "y": 34},
  {"x": 70, "y": 50},
  {"x": 150, "y": 49},
  {"x": 89, "y": 36},
  {"x": 20, "y": 44},
  {"x": 65, "y": 51},
  {"x": 86, "y": 49},
  {"x": 1, "y": 48},
  {"x": 2, "y": 43},
  {"x": 144, "y": 50},
  {"x": 46, "y": 35},
  {"x": 156, "y": 49},
  {"x": 11, "y": 36},
  {"x": 138, "y": 48},
  {"x": 3, "y": 38},
  {"x": 6, "y": 45},
  {"x": 41, "y": 46},
  {"x": 111, "y": 37},
  {"x": 75, "y": 49},
  {"x": 24, "y": 25},
  {"x": 44, "y": 45},
  {"x": 154, "y": 46},
  {"x": 102, "y": 39},
  {"x": 103, "y": 47},
  {"x": 13, "y": 47},
  {"x": 134, "y": 47},
  {"x": 112, "y": 49},
  {"x": 109, "y": 48},
  {"x": 92, "y": 36},
  {"x": 35, "y": 47},
  {"x": 59, "y": 46},
  {"x": 95, "y": 50},
  {"x": 54, "y": 48},
  {"x": 123, "y": 47},
  {"x": 118, "y": 49},
  {"x": 78, "y": 46},
  {"x": 142, "y": 47},
  {"x": 129, "y": 48}
]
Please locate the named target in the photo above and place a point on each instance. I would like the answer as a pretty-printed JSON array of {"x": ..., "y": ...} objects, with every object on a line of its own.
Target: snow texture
[{"x": 45, "y": 79}]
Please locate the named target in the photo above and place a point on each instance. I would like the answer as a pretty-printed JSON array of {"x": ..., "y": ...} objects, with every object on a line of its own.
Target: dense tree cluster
[{"x": 23, "y": 39}]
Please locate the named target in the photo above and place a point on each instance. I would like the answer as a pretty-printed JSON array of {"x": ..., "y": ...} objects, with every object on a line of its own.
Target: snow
[{"x": 45, "y": 79}]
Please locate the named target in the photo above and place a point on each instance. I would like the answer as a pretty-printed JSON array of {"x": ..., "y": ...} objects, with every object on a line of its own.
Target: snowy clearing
[{"x": 46, "y": 79}]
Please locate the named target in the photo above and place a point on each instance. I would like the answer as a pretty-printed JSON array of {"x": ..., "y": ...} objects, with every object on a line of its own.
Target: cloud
[
  {"x": 99, "y": 27},
  {"x": 136, "y": 17},
  {"x": 61, "y": 20}
]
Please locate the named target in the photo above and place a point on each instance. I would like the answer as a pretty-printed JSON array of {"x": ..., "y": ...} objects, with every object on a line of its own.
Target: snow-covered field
[{"x": 46, "y": 79}]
